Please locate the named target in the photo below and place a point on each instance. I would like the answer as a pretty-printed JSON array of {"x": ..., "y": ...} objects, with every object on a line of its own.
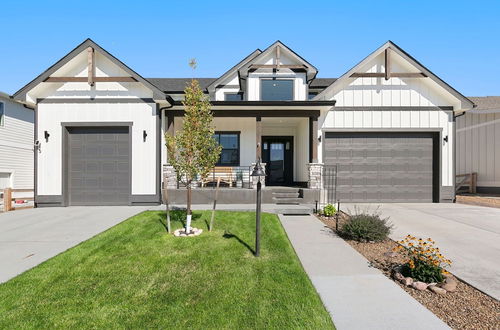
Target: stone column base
[{"x": 315, "y": 180}]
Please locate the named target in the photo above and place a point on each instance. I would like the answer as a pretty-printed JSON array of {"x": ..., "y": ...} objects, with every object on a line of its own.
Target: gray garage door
[
  {"x": 382, "y": 167},
  {"x": 98, "y": 166}
]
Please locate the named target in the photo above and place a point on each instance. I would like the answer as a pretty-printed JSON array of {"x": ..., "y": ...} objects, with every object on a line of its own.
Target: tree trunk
[{"x": 188, "y": 208}]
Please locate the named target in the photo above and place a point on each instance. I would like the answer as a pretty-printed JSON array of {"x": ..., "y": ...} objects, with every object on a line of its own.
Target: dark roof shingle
[
  {"x": 169, "y": 85},
  {"x": 486, "y": 102}
]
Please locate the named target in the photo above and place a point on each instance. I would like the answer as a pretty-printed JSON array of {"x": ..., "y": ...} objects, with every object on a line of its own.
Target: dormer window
[{"x": 276, "y": 90}]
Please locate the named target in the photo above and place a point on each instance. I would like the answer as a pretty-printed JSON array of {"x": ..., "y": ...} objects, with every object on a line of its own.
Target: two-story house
[{"x": 388, "y": 124}]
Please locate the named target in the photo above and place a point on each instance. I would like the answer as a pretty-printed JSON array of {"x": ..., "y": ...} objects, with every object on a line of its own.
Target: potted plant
[{"x": 239, "y": 179}]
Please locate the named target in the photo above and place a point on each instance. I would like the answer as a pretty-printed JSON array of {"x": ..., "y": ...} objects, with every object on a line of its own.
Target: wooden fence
[{"x": 8, "y": 199}]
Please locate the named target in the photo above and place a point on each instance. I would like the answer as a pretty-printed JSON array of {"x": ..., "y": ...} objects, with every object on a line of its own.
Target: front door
[{"x": 277, "y": 154}]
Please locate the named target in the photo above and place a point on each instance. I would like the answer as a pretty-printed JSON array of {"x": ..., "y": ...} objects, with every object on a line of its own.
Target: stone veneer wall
[{"x": 314, "y": 181}]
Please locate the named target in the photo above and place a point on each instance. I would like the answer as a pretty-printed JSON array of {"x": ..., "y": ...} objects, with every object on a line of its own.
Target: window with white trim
[{"x": 2, "y": 113}]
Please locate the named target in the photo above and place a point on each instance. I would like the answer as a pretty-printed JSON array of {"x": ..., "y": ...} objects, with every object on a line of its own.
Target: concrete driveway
[
  {"x": 468, "y": 235},
  {"x": 29, "y": 237}
]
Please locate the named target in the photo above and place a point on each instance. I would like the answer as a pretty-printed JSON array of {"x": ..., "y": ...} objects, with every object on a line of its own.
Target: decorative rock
[
  {"x": 391, "y": 254},
  {"x": 449, "y": 284},
  {"x": 182, "y": 232},
  {"x": 408, "y": 281},
  {"x": 398, "y": 276},
  {"x": 436, "y": 289},
  {"x": 421, "y": 286}
]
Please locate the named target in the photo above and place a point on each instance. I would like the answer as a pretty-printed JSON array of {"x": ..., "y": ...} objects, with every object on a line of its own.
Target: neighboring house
[
  {"x": 389, "y": 123},
  {"x": 478, "y": 143},
  {"x": 16, "y": 145}
]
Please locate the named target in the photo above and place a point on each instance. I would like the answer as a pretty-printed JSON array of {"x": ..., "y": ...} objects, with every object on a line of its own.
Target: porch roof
[{"x": 266, "y": 108}]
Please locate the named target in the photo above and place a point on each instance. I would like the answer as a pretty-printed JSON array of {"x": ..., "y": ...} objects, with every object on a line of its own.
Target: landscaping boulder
[
  {"x": 421, "y": 286},
  {"x": 398, "y": 276},
  {"x": 408, "y": 281},
  {"x": 436, "y": 289},
  {"x": 449, "y": 284}
]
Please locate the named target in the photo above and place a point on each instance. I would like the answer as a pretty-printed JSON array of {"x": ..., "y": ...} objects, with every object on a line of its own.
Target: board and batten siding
[
  {"x": 16, "y": 144},
  {"x": 478, "y": 149},
  {"x": 143, "y": 118}
]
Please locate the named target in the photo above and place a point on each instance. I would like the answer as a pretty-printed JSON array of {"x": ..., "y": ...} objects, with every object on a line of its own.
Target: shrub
[
  {"x": 425, "y": 262},
  {"x": 366, "y": 227},
  {"x": 329, "y": 210}
]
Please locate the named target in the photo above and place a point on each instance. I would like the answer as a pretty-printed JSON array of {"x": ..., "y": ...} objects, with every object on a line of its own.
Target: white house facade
[
  {"x": 16, "y": 145},
  {"x": 387, "y": 125}
]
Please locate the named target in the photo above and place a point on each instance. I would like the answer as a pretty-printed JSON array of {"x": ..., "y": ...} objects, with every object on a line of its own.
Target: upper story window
[
  {"x": 276, "y": 90},
  {"x": 230, "y": 142},
  {"x": 233, "y": 96},
  {"x": 2, "y": 113}
]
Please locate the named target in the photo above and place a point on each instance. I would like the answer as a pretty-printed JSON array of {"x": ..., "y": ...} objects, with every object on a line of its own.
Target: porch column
[
  {"x": 313, "y": 139},
  {"x": 258, "y": 136},
  {"x": 169, "y": 174}
]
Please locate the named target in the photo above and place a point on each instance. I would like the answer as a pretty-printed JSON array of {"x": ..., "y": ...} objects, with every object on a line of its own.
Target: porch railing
[{"x": 230, "y": 177}]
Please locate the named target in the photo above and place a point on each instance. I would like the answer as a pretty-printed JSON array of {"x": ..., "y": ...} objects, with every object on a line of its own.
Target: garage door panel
[
  {"x": 382, "y": 167},
  {"x": 99, "y": 166}
]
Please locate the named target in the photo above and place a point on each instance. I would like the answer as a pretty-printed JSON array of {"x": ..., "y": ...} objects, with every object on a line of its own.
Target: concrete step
[
  {"x": 286, "y": 194},
  {"x": 291, "y": 200}
]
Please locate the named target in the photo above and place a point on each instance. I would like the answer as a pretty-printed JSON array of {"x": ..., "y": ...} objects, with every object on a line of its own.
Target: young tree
[{"x": 193, "y": 151}]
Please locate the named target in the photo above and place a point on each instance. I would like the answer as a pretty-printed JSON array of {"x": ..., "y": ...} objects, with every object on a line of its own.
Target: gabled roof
[
  {"x": 233, "y": 70},
  {"x": 21, "y": 94},
  {"x": 466, "y": 103},
  {"x": 311, "y": 69}
]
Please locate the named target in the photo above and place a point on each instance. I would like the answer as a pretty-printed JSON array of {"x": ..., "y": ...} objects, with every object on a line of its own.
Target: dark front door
[{"x": 277, "y": 154}]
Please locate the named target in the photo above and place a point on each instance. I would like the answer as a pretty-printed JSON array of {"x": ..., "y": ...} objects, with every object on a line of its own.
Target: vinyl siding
[
  {"x": 478, "y": 150},
  {"x": 16, "y": 144}
]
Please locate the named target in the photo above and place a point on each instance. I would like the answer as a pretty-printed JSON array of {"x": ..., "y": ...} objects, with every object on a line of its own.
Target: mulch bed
[{"x": 466, "y": 308}]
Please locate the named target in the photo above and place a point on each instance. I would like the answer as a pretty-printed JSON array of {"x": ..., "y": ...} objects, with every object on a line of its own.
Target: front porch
[{"x": 286, "y": 141}]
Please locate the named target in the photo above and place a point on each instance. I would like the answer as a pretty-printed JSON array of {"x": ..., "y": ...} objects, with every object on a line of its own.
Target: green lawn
[{"x": 135, "y": 275}]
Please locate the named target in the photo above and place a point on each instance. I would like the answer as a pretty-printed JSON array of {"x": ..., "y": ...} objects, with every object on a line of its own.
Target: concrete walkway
[
  {"x": 357, "y": 296},
  {"x": 29, "y": 237},
  {"x": 468, "y": 235}
]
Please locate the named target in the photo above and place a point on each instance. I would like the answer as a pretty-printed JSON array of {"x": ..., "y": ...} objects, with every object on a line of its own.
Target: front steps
[{"x": 287, "y": 196}]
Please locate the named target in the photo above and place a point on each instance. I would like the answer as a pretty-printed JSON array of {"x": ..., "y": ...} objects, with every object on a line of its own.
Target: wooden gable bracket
[
  {"x": 388, "y": 74},
  {"x": 90, "y": 66},
  {"x": 91, "y": 78}
]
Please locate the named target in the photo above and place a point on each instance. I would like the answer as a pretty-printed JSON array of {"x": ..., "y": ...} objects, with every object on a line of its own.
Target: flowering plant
[{"x": 425, "y": 261}]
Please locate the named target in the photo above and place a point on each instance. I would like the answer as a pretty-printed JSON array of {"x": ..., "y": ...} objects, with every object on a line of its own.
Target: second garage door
[
  {"x": 383, "y": 167},
  {"x": 98, "y": 166}
]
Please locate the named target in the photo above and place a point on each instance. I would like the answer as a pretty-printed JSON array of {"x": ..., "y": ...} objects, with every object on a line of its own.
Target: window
[
  {"x": 2, "y": 113},
  {"x": 233, "y": 97},
  {"x": 230, "y": 154},
  {"x": 311, "y": 95},
  {"x": 276, "y": 90}
]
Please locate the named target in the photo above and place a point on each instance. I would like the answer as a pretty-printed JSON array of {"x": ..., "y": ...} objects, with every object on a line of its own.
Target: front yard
[{"x": 136, "y": 276}]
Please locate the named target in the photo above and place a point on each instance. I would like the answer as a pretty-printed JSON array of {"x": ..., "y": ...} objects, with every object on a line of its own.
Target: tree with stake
[{"x": 193, "y": 151}]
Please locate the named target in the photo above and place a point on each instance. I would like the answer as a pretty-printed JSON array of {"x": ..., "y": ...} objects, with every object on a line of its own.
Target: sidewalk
[{"x": 356, "y": 295}]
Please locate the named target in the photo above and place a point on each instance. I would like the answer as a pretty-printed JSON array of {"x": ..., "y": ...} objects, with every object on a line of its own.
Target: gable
[
  {"x": 278, "y": 57},
  {"x": 89, "y": 72},
  {"x": 405, "y": 83}
]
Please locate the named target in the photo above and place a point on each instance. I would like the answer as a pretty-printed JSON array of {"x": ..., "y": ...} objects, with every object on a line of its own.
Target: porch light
[{"x": 258, "y": 171}]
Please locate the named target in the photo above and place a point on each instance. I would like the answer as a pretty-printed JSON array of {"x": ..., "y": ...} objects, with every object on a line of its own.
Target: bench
[{"x": 224, "y": 173}]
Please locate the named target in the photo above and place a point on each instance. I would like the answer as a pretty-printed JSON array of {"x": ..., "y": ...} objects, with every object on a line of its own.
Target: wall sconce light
[
  {"x": 144, "y": 135},
  {"x": 46, "y": 135},
  {"x": 446, "y": 138},
  {"x": 319, "y": 138}
]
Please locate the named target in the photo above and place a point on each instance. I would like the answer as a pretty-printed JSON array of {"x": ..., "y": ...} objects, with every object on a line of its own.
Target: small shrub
[
  {"x": 329, "y": 210},
  {"x": 366, "y": 227},
  {"x": 425, "y": 262}
]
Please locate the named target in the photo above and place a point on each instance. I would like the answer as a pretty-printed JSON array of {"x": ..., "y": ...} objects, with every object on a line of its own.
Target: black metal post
[{"x": 257, "y": 220}]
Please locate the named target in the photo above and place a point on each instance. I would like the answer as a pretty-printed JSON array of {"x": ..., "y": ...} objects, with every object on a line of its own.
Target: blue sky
[{"x": 457, "y": 40}]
